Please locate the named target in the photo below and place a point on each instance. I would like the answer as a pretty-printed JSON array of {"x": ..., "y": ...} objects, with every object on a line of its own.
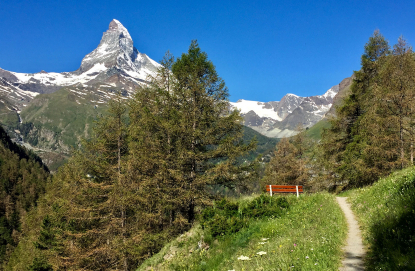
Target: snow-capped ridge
[
  {"x": 280, "y": 118},
  {"x": 115, "y": 25},
  {"x": 115, "y": 60}
]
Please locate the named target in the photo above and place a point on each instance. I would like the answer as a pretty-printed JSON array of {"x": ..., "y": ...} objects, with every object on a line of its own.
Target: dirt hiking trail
[{"x": 354, "y": 252}]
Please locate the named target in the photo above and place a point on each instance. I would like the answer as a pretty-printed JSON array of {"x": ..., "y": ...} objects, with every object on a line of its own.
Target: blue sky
[{"x": 262, "y": 49}]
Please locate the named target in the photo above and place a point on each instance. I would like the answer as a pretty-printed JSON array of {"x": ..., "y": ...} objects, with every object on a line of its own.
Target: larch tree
[
  {"x": 184, "y": 138},
  {"x": 344, "y": 146},
  {"x": 288, "y": 165},
  {"x": 397, "y": 97},
  {"x": 88, "y": 220}
]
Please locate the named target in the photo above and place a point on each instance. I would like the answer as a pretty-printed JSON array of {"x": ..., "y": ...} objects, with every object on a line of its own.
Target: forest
[
  {"x": 157, "y": 162},
  {"x": 372, "y": 132}
]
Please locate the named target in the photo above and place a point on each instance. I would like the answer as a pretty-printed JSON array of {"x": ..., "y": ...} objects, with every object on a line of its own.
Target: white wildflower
[{"x": 244, "y": 258}]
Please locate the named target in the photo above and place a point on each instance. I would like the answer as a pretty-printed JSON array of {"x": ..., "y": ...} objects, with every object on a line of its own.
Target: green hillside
[
  {"x": 386, "y": 214},
  {"x": 22, "y": 181},
  {"x": 305, "y": 234},
  {"x": 265, "y": 144},
  {"x": 315, "y": 131},
  {"x": 9, "y": 118},
  {"x": 57, "y": 121}
]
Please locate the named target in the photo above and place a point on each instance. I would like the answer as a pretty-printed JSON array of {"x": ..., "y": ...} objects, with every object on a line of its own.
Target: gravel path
[{"x": 354, "y": 251}]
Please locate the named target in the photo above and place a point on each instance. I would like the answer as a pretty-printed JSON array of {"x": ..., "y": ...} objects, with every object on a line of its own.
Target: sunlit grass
[
  {"x": 386, "y": 213},
  {"x": 308, "y": 236}
]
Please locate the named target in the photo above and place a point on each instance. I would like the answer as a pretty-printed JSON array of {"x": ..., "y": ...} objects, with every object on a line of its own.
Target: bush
[
  {"x": 40, "y": 265},
  {"x": 227, "y": 217},
  {"x": 265, "y": 206}
]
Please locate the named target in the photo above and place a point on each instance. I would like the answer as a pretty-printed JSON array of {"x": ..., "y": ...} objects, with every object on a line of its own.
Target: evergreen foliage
[
  {"x": 371, "y": 134},
  {"x": 40, "y": 265},
  {"x": 150, "y": 166},
  {"x": 23, "y": 180},
  {"x": 289, "y": 164},
  {"x": 227, "y": 217}
]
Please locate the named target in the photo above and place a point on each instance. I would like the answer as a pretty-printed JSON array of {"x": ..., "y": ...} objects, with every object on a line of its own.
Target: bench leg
[
  {"x": 296, "y": 187},
  {"x": 270, "y": 190}
]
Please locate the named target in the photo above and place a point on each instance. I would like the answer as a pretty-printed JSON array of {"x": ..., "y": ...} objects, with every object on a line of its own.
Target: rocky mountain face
[
  {"x": 114, "y": 63},
  {"x": 280, "y": 118},
  {"x": 52, "y": 111}
]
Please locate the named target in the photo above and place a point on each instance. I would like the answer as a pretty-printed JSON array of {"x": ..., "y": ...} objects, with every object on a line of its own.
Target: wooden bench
[{"x": 285, "y": 189}]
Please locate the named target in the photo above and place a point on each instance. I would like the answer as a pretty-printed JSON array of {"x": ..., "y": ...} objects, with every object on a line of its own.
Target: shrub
[
  {"x": 265, "y": 206},
  {"x": 227, "y": 217}
]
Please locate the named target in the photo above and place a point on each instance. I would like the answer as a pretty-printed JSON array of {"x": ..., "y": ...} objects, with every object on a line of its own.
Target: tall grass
[
  {"x": 306, "y": 236},
  {"x": 386, "y": 213}
]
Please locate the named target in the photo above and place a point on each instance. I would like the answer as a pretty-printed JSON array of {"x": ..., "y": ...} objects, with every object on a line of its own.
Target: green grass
[
  {"x": 315, "y": 131},
  {"x": 307, "y": 236},
  {"x": 387, "y": 217},
  {"x": 58, "y": 120},
  {"x": 265, "y": 144}
]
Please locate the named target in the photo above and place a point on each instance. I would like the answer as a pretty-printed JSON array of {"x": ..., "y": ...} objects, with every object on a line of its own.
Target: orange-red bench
[{"x": 285, "y": 189}]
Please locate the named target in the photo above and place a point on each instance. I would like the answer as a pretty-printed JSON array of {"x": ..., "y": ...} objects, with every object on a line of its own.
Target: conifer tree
[
  {"x": 138, "y": 181},
  {"x": 195, "y": 140},
  {"x": 92, "y": 199},
  {"x": 345, "y": 144},
  {"x": 289, "y": 164},
  {"x": 396, "y": 97}
]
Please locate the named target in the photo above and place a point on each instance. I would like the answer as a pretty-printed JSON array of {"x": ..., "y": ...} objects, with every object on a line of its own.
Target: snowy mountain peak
[
  {"x": 280, "y": 118},
  {"x": 115, "y": 62},
  {"x": 115, "y": 25},
  {"x": 116, "y": 50}
]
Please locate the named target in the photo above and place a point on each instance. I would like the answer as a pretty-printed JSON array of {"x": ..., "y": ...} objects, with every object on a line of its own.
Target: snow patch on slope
[{"x": 244, "y": 106}]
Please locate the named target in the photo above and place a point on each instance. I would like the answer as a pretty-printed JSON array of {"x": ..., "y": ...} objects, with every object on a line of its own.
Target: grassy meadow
[
  {"x": 386, "y": 214},
  {"x": 307, "y": 234}
]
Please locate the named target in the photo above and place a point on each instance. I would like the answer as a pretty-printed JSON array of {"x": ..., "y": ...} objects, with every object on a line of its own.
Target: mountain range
[
  {"x": 51, "y": 112},
  {"x": 280, "y": 118}
]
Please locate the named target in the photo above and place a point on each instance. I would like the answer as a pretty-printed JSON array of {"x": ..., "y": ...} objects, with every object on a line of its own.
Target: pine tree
[
  {"x": 195, "y": 140},
  {"x": 396, "y": 96},
  {"x": 92, "y": 198},
  {"x": 289, "y": 164},
  {"x": 345, "y": 144}
]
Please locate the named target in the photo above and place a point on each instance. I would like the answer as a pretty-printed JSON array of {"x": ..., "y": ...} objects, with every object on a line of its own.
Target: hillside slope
[
  {"x": 386, "y": 214},
  {"x": 315, "y": 131},
  {"x": 306, "y": 236},
  {"x": 22, "y": 180}
]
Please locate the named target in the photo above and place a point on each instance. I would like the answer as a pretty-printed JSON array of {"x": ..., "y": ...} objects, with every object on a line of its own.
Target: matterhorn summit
[
  {"x": 116, "y": 51},
  {"x": 115, "y": 64}
]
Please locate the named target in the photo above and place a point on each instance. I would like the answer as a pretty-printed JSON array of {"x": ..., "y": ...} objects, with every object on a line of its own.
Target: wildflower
[
  {"x": 312, "y": 249},
  {"x": 315, "y": 264},
  {"x": 262, "y": 243},
  {"x": 244, "y": 258},
  {"x": 261, "y": 253},
  {"x": 264, "y": 239},
  {"x": 307, "y": 257},
  {"x": 280, "y": 245},
  {"x": 295, "y": 245}
]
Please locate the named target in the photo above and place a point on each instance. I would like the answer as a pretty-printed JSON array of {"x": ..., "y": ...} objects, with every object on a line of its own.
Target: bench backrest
[{"x": 285, "y": 189}]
